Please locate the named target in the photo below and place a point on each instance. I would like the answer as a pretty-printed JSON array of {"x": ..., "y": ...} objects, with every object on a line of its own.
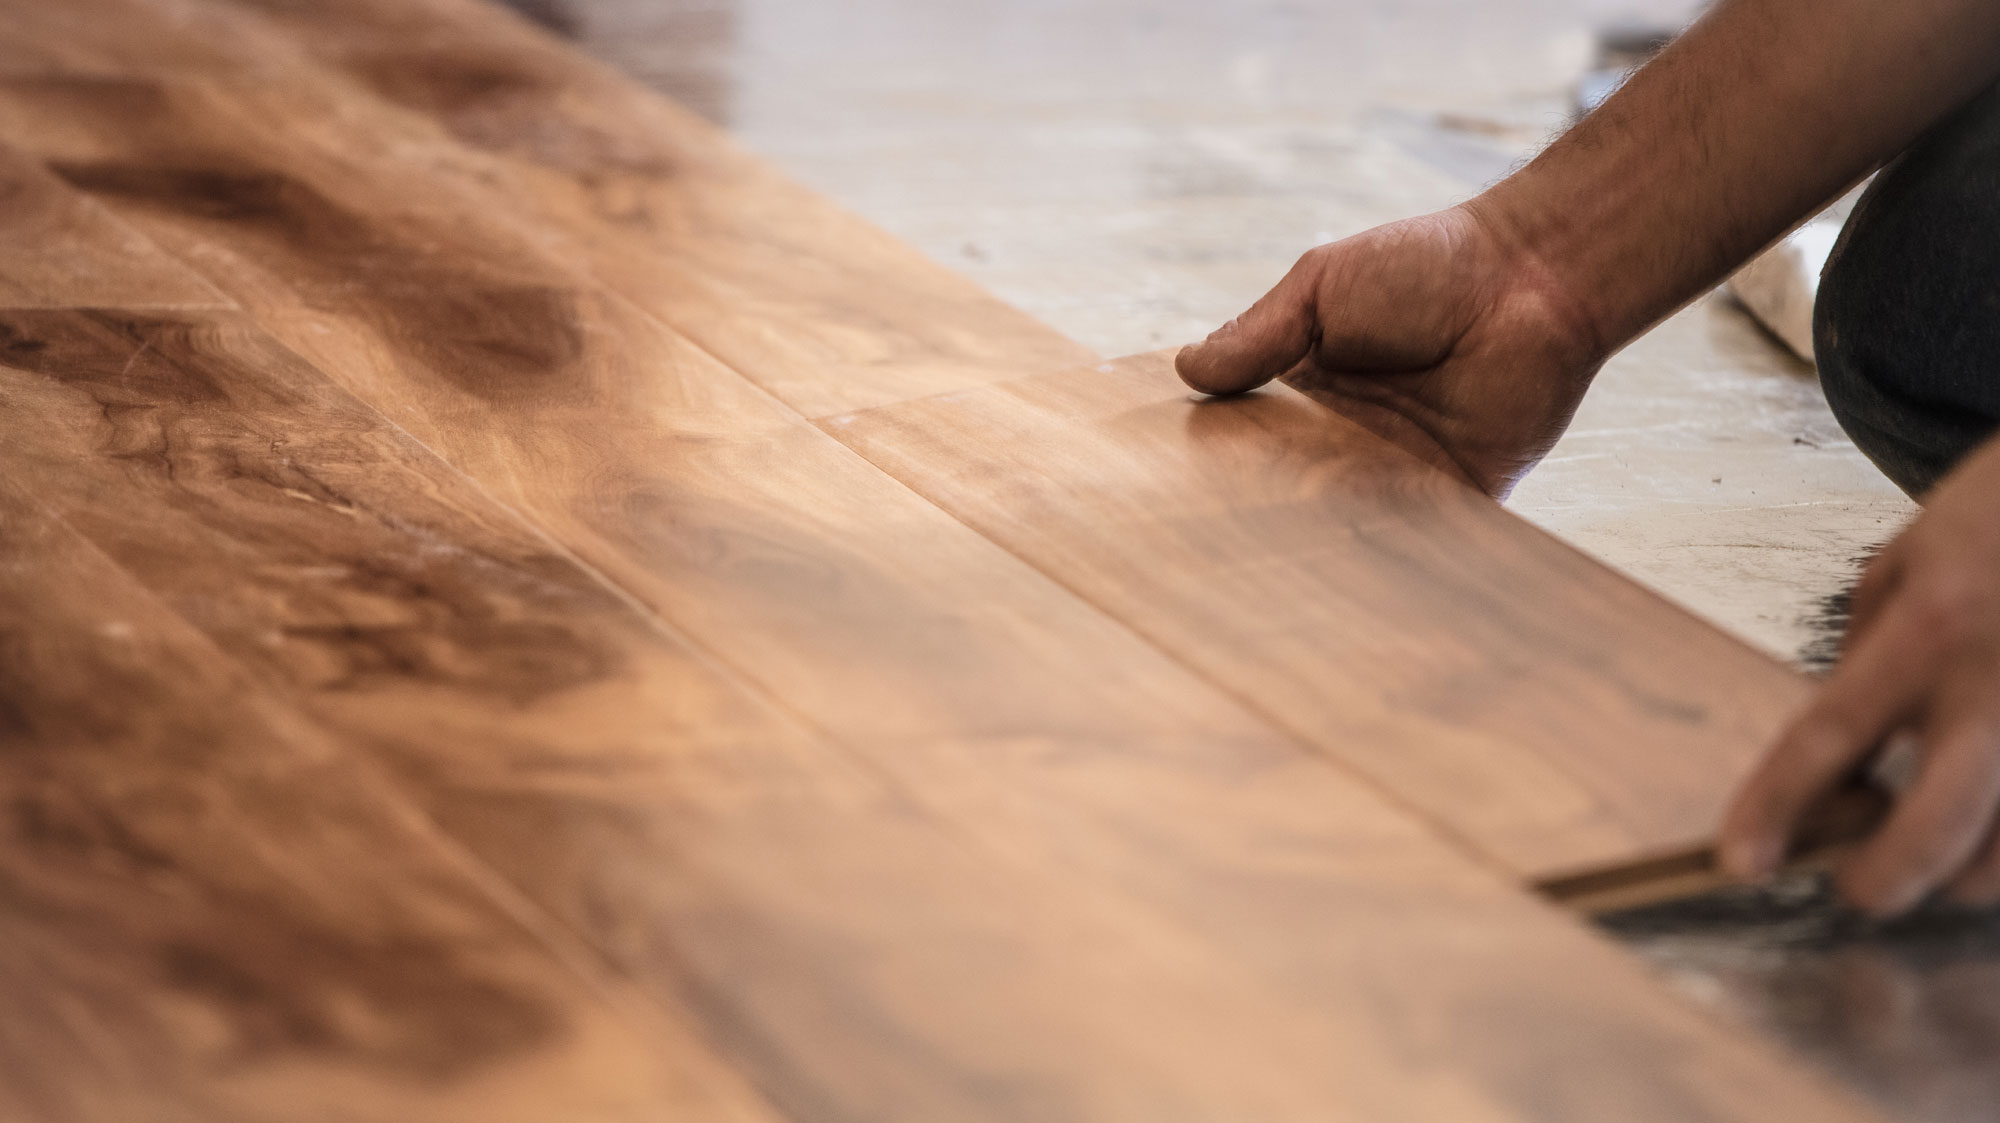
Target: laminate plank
[
  {"x": 849, "y": 955},
  {"x": 1576, "y": 811},
  {"x": 844, "y": 949},
  {"x": 1562, "y": 809},
  {"x": 1547, "y": 710},
  {"x": 659, "y": 817},
  {"x": 1612, "y": 814},
  {"x": 817, "y": 306},
  {"x": 209, "y": 911},
  {"x": 1218, "y": 924}
]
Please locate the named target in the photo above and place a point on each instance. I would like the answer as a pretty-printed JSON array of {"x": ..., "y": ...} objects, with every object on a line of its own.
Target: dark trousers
[{"x": 1907, "y": 328}]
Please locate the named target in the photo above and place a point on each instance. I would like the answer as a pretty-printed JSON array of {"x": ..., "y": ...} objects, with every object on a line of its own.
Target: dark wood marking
[
  {"x": 483, "y": 336},
  {"x": 466, "y": 86},
  {"x": 229, "y": 430},
  {"x": 430, "y": 1023},
  {"x": 134, "y": 873},
  {"x": 512, "y": 337},
  {"x": 265, "y": 199},
  {"x": 552, "y": 15},
  {"x": 210, "y": 911},
  {"x": 463, "y": 308},
  {"x": 498, "y": 104},
  {"x": 488, "y": 338},
  {"x": 820, "y": 308}
]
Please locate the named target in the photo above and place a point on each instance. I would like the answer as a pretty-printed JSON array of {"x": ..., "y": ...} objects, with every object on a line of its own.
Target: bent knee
[{"x": 1907, "y": 325}]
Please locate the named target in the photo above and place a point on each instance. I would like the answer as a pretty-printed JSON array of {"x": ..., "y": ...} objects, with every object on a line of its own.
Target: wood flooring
[{"x": 514, "y": 611}]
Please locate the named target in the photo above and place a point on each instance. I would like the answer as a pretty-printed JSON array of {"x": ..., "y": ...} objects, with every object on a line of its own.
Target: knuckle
[{"x": 1318, "y": 266}]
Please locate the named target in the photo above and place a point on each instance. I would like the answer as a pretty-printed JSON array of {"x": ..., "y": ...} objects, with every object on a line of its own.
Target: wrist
[{"x": 1536, "y": 282}]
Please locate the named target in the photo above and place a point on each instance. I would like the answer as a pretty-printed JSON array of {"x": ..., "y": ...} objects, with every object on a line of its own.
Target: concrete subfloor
[{"x": 1134, "y": 172}]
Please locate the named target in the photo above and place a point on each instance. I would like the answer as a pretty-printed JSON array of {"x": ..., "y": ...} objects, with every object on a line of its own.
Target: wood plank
[
  {"x": 1146, "y": 905},
  {"x": 1545, "y": 709},
  {"x": 846, "y": 952},
  {"x": 822, "y": 309},
  {"x": 209, "y": 911},
  {"x": 1589, "y": 809},
  {"x": 1562, "y": 806},
  {"x": 844, "y": 948}
]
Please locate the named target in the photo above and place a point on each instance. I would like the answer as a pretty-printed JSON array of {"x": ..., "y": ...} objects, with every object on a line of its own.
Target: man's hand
[
  {"x": 1469, "y": 335},
  {"x": 1431, "y": 331},
  {"x": 1922, "y": 657}
]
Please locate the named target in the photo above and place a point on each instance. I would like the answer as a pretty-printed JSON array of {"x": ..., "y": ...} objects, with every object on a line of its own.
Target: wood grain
[
  {"x": 212, "y": 911},
  {"x": 846, "y": 950},
  {"x": 1546, "y": 710},
  {"x": 1017, "y": 863},
  {"x": 815, "y": 305},
  {"x": 842, "y": 946},
  {"x": 62, "y": 250}
]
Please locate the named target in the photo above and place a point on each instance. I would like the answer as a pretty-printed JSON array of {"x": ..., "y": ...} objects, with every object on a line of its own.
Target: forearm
[{"x": 1761, "y": 112}]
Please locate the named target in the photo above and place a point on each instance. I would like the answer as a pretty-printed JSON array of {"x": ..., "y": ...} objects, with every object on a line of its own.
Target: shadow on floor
[{"x": 1908, "y": 1010}]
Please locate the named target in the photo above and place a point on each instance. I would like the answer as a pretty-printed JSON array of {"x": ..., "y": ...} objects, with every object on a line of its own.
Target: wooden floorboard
[
  {"x": 820, "y": 308},
  {"x": 210, "y": 910},
  {"x": 1546, "y": 710},
  {"x": 907, "y": 829},
  {"x": 850, "y": 954},
  {"x": 1524, "y": 774}
]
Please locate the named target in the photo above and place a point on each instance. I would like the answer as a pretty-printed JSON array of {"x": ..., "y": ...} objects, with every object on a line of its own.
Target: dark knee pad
[{"x": 1907, "y": 326}]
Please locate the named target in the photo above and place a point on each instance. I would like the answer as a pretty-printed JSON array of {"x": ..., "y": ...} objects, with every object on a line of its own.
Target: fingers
[
  {"x": 1978, "y": 884},
  {"x": 1940, "y": 821},
  {"x": 1261, "y": 344},
  {"x": 1877, "y": 686}
]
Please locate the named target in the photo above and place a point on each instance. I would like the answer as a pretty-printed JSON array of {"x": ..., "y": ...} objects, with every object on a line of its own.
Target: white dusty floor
[{"x": 1136, "y": 171}]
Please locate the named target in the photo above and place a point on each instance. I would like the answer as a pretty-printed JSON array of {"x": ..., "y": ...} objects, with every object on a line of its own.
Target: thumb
[{"x": 1262, "y": 343}]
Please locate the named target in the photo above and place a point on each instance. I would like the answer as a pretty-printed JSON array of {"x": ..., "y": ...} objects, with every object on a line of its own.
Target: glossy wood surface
[
  {"x": 755, "y": 738},
  {"x": 212, "y": 910},
  {"x": 731, "y": 868},
  {"x": 1545, "y": 710},
  {"x": 821, "y": 309}
]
